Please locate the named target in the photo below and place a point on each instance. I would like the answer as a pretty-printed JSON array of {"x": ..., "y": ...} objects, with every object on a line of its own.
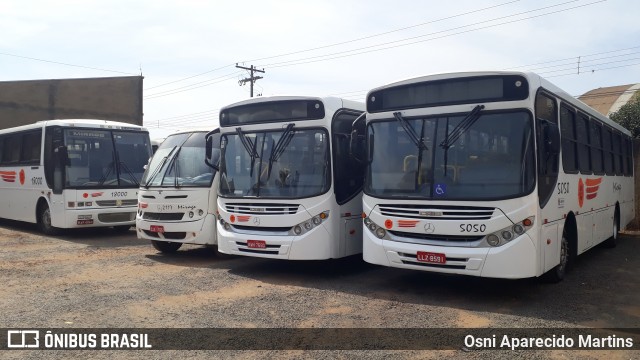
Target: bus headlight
[
  {"x": 378, "y": 231},
  {"x": 493, "y": 240},
  {"x": 191, "y": 214},
  {"x": 307, "y": 225},
  {"x": 200, "y": 212},
  {"x": 509, "y": 233}
]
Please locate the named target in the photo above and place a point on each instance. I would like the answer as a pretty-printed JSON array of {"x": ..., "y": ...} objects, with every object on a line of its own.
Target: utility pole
[{"x": 251, "y": 79}]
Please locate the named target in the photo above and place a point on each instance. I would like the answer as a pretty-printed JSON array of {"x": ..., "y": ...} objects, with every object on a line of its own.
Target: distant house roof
[{"x": 608, "y": 100}]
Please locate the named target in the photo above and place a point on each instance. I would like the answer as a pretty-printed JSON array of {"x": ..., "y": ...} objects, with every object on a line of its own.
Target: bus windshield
[
  {"x": 296, "y": 166},
  {"x": 491, "y": 159},
  {"x": 179, "y": 162},
  {"x": 105, "y": 158}
]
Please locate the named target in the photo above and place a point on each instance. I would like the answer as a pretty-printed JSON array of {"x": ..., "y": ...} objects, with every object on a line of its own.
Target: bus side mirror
[
  {"x": 551, "y": 135},
  {"x": 212, "y": 156}
]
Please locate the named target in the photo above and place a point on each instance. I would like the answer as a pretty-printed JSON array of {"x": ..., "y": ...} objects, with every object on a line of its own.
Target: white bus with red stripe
[
  {"x": 494, "y": 174},
  {"x": 178, "y": 192},
  {"x": 289, "y": 188},
  {"x": 72, "y": 173}
]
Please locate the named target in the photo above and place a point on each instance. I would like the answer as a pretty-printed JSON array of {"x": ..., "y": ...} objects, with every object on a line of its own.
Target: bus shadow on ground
[
  {"x": 600, "y": 290},
  {"x": 94, "y": 237},
  {"x": 194, "y": 256}
]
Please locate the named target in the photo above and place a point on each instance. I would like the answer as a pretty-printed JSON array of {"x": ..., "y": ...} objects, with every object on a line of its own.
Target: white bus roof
[
  {"x": 90, "y": 123},
  {"x": 535, "y": 81},
  {"x": 330, "y": 102}
]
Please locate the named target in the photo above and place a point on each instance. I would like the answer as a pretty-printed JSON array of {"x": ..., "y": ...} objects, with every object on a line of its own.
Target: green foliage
[{"x": 629, "y": 116}]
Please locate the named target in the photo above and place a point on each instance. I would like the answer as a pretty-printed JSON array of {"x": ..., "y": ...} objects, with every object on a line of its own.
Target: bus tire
[
  {"x": 611, "y": 242},
  {"x": 558, "y": 272},
  {"x": 165, "y": 246},
  {"x": 122, "y": 229},
  {"x": 44, "y": 221}
]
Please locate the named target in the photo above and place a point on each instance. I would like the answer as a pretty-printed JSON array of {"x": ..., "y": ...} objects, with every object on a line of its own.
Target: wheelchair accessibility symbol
[{"x": 440, "y": 189}]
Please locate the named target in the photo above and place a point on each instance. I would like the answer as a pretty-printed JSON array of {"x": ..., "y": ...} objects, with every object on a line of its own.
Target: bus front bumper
[
  {"x": 514, "y": 260},
  {"x": 198, "y": 232},
  {"x": 312, "y": 245},
  {"x": 84, "y": 218}
]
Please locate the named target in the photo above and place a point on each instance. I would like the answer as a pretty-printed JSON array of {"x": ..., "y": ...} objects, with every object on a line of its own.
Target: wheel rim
[
  {"x": 46, "y": 218},
  {"x": 564, "y": 254}
]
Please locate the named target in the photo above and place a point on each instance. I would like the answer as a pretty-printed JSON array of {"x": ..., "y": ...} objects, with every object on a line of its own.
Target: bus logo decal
[
  {"x": 588, "y": 188},
  {"x": 243, "y": 218},
  {"x": 429, "y": 228},
  {"x": 430, "y": 213},
  {"x": 407, "y": 223},
  {"x": 22, "y": 176},
  {"x": 8, "y": 176},
  {"x": 592, "y": 187}
]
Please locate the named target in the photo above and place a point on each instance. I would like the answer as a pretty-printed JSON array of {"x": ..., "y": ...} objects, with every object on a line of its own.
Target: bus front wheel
[
  {"x": 556, "y": 274},
  {"x": 44, "y": 221},
  {"x": 165, "y": 246}
]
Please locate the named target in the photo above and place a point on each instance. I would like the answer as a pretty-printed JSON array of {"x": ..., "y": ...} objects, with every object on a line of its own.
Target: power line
[
  {"x": 171, "y": 92},
  {"x": 189, "y": 77},
  {"x": 358, "y": 51},
  {"x": 371, "y": 48},
  {"x": 67, "y": 64},
  {"x": 384, "y": 33}
]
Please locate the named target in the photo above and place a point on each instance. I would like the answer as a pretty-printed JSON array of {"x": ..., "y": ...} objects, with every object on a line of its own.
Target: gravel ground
[{"x": 98, "y": 278}]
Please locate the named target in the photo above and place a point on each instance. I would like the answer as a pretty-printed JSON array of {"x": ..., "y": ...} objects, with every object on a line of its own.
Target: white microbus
[
  {"x": 72, "y": 173},
  {"x": 177, "y": 197},
  {"x": 493, "y": 174},
  {"x": 288, "y": 187}
]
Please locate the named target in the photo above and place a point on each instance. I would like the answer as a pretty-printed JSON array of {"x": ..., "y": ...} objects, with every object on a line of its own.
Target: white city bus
[
  {"x": 493, "y": 174},
  {"x": 177, "y": 198},
  {"x": 72, "y": 173},
  {"x": 288, "y": 187}
]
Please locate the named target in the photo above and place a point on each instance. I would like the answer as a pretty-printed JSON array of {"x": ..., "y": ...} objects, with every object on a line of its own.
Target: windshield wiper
[
  {"x": 176, "y": 168},
  {"x": 122, "y": 165},
  {"x": 279, "y": 148},
  {"x": 462, "y": 127},
  {"x": 418, "y": 141},
  {"x": 158, "y": 168},
  {"x": 249, "y": 146},
  {"x": 112, "y": 166}
]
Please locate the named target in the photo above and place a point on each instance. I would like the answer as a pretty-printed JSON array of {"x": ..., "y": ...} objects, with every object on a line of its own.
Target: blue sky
[{"x": 186, "y": 50}]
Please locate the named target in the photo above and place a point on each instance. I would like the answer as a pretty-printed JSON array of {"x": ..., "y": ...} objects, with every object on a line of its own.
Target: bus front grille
[
  {"x": 435, "y": 237},
  {"x": 125, "y": 202},
  {"x": 269, "y": 250},
  {"x": 262, "y": 208},
  {"x": 162, "y": 216},
  {"x": 437, "y": 212},
  {"x": 172, "y": 235},
  {"x": 117, "y": 217}
]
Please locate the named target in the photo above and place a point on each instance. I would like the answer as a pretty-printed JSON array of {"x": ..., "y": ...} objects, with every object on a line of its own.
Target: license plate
[
  {"x": 157, "y": 228},
  {"x": 256, "y": 244},
  {"x": 429, "y": 257},
  {"x": 85, "y": 222}
]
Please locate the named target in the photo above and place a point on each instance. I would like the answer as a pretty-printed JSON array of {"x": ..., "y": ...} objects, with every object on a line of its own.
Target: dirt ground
[{"x": 99, "y": 278}]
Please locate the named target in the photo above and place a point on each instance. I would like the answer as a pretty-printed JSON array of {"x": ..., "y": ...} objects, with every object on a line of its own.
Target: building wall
[{"x": 113, "y": 98}]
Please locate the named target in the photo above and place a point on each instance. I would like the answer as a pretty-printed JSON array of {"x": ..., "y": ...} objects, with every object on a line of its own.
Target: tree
[{"x": 629, "y": 116}]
